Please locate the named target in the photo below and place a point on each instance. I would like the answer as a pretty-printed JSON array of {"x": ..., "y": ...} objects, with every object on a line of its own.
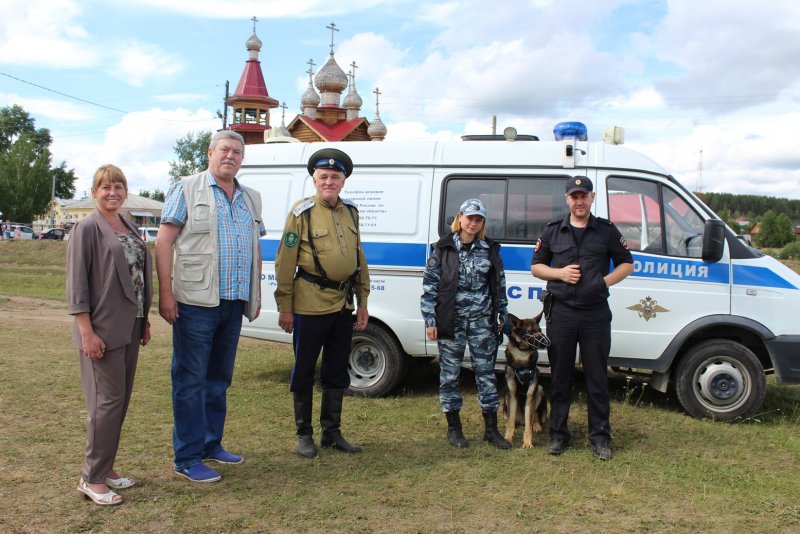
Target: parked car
[
  {"x": 53, "y": 233},
  {"x": 25, "y": 232},
  {"x": 148, "y": 233}
]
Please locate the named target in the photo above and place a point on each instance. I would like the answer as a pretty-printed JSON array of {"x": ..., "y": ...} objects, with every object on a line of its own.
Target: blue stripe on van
[
  {"x": 749, "y": 275},
  {"x": 384, "y": 254},
  {"x": 663, "y": 268},
  {"x": 518, "y": 258}
]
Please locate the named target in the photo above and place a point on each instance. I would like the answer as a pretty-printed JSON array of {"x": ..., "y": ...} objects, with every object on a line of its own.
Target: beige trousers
[{"x": 107, "y": 385}]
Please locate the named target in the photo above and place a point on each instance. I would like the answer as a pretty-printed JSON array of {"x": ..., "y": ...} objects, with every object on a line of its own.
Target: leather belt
[{"x": 328, "y": 284}]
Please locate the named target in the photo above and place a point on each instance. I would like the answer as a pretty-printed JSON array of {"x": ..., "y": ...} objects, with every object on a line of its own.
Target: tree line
[
  {"x": 751, "y": 207},
  {"x": 27, "y": 175}
]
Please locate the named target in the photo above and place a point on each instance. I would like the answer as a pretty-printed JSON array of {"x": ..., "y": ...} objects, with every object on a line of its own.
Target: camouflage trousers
[{"x": 483, "y": 341}]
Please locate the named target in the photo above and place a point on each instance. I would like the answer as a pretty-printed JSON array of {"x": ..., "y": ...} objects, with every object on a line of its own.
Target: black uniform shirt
[{"x": 600, "y": 243}]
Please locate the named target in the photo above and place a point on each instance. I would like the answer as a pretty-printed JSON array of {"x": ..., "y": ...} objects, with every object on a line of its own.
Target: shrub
[{"x": 791, "y": 251}]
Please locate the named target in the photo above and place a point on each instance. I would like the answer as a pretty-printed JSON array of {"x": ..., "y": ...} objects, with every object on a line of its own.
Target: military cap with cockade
[{"x": 330, "y": 158}]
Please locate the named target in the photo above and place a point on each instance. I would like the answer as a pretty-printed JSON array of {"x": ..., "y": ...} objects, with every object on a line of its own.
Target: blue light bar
[{"x": 570, "y": 129}]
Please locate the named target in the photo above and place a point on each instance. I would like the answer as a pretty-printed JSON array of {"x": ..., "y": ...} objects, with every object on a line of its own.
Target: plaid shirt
[{"x": 234, "y": 221}]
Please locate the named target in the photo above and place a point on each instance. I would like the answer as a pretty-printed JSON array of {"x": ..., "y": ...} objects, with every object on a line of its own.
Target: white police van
[{"x": 701, "y": 308}]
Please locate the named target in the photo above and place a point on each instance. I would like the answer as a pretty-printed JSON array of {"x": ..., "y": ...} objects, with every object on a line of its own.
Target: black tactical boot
[
  {"x": 455, "y": 436},
  {"x": 331, "y": 418},
  {"x": 302, "y": 418},
  {"x": 490, "y": 433}
]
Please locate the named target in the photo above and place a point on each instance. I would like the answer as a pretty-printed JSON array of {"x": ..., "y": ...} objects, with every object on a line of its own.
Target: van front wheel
[
  {"x": 377, "y": 363},
  {"x": 720, "y": 379}
]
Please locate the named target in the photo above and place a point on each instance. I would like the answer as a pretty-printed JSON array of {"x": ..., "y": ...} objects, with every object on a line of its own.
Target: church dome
[
  {"x": 331, "y": 77},
  {"x": 353, "y": 99},
  {"x": 377, "y": 129},
  {"x": 310, "y": 98},
  {"x": 253, "y": 43}
]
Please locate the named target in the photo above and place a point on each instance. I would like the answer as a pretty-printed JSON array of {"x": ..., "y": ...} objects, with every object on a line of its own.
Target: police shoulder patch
[
  {"x": 304, "y": 205},
  {"x": 538, "y": 245},
  {"x": 623, "y": 242},
  {"x": 433, "y": 261},
  {"x": 290, "y": 239}
]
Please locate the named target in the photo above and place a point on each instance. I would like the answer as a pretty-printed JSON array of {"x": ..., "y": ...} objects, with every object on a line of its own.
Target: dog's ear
[
  {"x": 513, "y": 320},
  {"x": 538, "y": 317}
]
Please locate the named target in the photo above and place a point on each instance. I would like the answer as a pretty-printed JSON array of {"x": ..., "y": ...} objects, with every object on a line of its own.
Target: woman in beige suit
[{"x": 109, "y": 292}]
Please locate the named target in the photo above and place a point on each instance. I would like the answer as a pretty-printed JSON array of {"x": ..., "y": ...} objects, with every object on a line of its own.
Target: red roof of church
[
  {"x": 251, "y": 84},
  {"x": 328, "y": 132}
]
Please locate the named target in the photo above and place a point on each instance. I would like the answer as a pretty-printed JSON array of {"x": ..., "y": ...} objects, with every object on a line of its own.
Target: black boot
[
  {"x": 331, "y": 419},
  {"x": 490, "y": 433},
  {"x": 455, "y": 436},
  {"x": 302, "y": 418}
]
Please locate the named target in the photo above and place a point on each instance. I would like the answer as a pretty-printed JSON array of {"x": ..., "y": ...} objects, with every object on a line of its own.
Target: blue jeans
[{"x": 204, "y": 342}]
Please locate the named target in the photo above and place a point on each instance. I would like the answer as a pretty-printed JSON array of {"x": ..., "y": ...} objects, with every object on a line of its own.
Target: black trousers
[
  {"x": 330, "y": 333},
  {"x": 591, "y": 329}
]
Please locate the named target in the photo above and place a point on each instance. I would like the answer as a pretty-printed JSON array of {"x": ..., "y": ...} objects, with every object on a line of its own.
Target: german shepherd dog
[{"x": 522, "y": 379}]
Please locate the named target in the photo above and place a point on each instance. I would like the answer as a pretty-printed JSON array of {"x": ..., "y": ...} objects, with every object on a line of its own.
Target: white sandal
[
  {"x": 120, "y": 483},
  {"x": 105, "y": 499}
]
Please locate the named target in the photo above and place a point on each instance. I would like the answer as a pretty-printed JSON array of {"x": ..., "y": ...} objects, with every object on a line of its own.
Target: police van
[{"x": 701, "y": 310}]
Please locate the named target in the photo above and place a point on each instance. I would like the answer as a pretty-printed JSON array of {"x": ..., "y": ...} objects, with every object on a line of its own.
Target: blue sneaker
[
  {"x": 199, "y": 473},
  {"x": 223, "y": 457}
]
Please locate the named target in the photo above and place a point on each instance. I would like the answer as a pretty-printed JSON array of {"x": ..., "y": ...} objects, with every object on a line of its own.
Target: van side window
[
  {"x": 684, "y": 227},
  {"x": 653, "y": 218},
  {"x": 518, "y": 208}
]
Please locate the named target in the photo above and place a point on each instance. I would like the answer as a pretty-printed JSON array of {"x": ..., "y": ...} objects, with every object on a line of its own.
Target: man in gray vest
[{"x": 208, "y": 260}]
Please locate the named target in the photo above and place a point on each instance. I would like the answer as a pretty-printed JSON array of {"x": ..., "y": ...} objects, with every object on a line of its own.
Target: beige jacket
[{"x": 195, "y": 271}]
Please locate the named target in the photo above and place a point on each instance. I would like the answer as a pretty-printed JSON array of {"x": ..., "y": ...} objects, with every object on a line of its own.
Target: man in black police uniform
[{"x": 573, "y": 256}]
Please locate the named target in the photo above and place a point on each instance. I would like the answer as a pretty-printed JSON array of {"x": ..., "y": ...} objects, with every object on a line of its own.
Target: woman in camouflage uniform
[{"x": 464, "y": 303}]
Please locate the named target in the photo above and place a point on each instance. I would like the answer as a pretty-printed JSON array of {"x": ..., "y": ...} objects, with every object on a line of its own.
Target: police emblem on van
[{"x": 648, "y": 308}]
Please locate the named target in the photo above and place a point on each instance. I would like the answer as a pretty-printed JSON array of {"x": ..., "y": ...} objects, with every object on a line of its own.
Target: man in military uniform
[
  {"x": 573, "y": 256},
  {"x": 320, "y": 267}
]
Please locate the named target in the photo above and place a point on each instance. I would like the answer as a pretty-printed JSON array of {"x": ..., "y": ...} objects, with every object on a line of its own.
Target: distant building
[
  {"x": 324, "y": 116},
  {"x": 60, "y": 216},
  {"x": 139, "y": 210}
]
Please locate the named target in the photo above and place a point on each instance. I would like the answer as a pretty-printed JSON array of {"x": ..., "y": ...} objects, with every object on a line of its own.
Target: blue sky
[{"x": 680, "y": 76}]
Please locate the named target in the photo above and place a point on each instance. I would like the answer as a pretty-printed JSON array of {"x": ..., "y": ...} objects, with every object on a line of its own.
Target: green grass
[{"x": 670, "y": 473}]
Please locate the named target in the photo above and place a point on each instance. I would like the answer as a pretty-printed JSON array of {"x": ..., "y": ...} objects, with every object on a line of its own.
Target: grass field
[{"x": 670, "y": 473}]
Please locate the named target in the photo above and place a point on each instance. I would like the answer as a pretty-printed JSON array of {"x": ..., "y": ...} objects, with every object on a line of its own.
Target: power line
[
  {"x": 95, "y": 103},
  {"x": 64, "y": 94}
]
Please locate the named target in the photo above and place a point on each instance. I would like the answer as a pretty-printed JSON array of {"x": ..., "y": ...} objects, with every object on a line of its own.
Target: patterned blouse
[{"x": 134, "y": 249}]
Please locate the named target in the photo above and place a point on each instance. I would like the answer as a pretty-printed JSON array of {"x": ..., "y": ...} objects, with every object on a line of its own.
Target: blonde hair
[
  {"x": 111, "y": 174},
  {"x": 455, "y": 226}
]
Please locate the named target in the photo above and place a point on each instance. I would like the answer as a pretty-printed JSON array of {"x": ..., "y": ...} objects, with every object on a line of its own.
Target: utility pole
[
  {"x": 53, "y": 203},
  {"x": 699, "y": 184},
  {"x": 225, "y": 106}
]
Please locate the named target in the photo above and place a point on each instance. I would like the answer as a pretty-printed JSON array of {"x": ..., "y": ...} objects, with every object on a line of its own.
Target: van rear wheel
[
  {"x": 377, "y": 363},
  {"x": 720, "y": 379}
]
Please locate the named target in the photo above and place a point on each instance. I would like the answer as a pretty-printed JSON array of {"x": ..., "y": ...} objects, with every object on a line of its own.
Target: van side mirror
[{"x": 713, "y": 240}]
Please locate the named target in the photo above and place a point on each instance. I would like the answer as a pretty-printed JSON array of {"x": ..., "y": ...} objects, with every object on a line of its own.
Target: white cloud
[
  {"x": 50, "y": 108},
  {"x": 141, "y": 144},
  {"x": 139, "y": 63},
  {"x": 262, "y": 8},
  {"x": 733, "y": 55},
  {"x": 45, "y": 33}
]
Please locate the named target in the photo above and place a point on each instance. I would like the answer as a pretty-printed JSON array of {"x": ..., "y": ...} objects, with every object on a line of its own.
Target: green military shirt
[{"x": 336, "y": 238}]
